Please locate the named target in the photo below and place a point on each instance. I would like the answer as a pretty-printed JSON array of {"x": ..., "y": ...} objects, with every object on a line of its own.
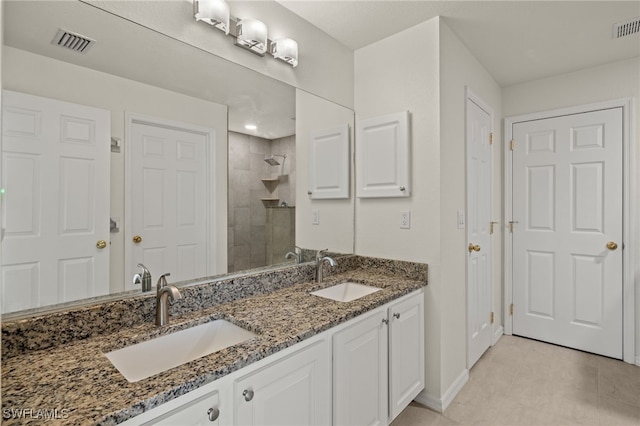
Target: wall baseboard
[
  {"x": 497, "y": 335},
  {"x": 441, "y": 404}
]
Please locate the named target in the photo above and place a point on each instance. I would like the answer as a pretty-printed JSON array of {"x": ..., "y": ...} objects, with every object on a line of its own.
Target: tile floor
[{"x": 525, "y": 382}]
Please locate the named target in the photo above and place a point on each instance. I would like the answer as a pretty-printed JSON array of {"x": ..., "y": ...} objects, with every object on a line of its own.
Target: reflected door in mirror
[
  {"x": 169, "y": 207},
  {"x": 56, "y": 208}
]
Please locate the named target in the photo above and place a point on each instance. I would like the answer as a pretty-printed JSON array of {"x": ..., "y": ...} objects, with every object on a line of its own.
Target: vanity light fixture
[
  {"x": 213, "y": 12},
  {"x": 285, "y": 49},
  {"x": 252, "y": 35}
]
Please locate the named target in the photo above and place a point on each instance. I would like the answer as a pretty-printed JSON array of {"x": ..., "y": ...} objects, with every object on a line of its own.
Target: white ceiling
[
  {"x": 516, "y": 41},
  {"x": 154, "y": 59}
]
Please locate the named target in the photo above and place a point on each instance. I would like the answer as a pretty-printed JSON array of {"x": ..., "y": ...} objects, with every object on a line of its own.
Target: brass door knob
[
  {"x": 101, "y": 244},
  {"x": 137, "y": 239},
  {"x": 473, "y": 247},
  {"x": 611, "y": 245}
]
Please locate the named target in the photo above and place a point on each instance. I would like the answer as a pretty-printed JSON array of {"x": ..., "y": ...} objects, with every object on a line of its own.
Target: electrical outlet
[
  {"x": 405, "y": 220},
  {"x": 315, "y": 217}
]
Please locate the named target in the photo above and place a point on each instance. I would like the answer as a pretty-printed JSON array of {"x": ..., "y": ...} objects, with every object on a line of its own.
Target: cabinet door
[
  {"x": 291, "y": 391},
  {"x": 200, "y": 412},
  {"x": 406, "y": 352},
  {"x": 382, "y": 156},
  {"x": 360, "y": 372}
]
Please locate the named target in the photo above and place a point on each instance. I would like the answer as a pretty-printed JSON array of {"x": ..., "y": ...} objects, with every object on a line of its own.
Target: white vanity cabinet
[
  {"x": 360, "y": 372},
  {"x": 378, "y": 363},
  {"x": 406, "y": 352},
  {"x": 295, "y": 390},
  {"x": 365, "y": 371},
  {"x": 202, "y": 411}
]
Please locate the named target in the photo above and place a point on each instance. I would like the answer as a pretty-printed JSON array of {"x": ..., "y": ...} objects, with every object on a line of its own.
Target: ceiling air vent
[
  {"x": 622, "y": 29},
  {"x": 73, "y": 41}
]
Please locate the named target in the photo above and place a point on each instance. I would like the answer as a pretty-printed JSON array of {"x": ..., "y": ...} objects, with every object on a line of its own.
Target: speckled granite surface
[{"x": 80, "y": 383}]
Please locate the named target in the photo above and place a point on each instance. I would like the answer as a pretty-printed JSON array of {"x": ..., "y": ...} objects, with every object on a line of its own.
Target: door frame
[
  {"x": 470, "y": 96},
  {"x": 630, "y": 219},
  {"x": 213, "y": 217}
]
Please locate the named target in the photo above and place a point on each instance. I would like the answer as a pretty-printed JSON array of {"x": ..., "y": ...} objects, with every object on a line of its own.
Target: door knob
[
  {"x": 611, "y": 245},
  {"x": 137, "y": 239},
  {"x": 473, "y": 248},
  {"x": 101, "y": 244},
  {"x": 213, "y": 414}
]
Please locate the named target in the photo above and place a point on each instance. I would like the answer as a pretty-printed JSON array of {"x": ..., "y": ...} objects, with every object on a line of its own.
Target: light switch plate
[{"x": 315, "y": 217}]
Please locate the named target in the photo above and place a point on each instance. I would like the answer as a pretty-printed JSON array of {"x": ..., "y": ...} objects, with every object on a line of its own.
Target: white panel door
[
  {"x": 478, "y": 249},
  {"x": 55, "y": 170},
  {"x": 406, "y": 353},
  {"x": 567, "y": 200},
  {"x": 169, "y": 201},
  {"x": 360, "y": 372},
  {"x": 294, "y": 391},
  {"x": 329, "y": 163},
  {"x": 382, "y": 156}
]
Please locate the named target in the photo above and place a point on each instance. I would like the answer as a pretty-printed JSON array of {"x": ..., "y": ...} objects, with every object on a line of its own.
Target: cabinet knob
[
  {"x": 385, "y": 321},
  {"x": 397, "y": 315},
  {"x": 213, "y": 414},
  {"x": 248, "y": 394},
  {"x": 402, "y": 188}
]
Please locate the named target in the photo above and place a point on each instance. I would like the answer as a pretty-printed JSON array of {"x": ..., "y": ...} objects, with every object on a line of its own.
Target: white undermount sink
[
  {"x": 145, "y": 359},
  {"x": 345, "y": 292}
]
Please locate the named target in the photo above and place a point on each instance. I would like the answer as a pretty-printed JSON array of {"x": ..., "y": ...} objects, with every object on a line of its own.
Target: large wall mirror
[{"x": 244, "y": 135}]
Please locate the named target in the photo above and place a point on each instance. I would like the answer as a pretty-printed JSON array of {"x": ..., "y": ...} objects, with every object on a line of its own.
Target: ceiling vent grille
[
  {"x": 622, "y": 29},
  {"x": 73, "y": 41}
]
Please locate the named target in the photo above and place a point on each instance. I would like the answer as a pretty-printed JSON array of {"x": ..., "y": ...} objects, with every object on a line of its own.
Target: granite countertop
[{"x": 79, "y": 385}]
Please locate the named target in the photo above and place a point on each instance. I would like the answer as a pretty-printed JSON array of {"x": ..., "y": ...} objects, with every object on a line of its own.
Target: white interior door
[
  {"x": 169, "y": 201},
  {"x": 55, "y": 170},
  {"x": 479, "y": 229},
  {"x": 567, "y": 244}
]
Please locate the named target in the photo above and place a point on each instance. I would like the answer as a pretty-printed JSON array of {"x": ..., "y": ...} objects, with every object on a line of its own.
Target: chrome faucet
[
  {"x": 164, "y": 292},
  {"x": 320, "y": 259},
  {"x": 295, "y": 254},
  {"x": 144, "y": 279}
]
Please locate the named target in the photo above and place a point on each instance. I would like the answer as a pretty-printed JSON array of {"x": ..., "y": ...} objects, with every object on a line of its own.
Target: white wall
[
  {"x": 336, "y": 230},
  {"x": 395, "y": 74},
  {"x": 425, "y": 70},
  {"x": 38, "y": 75},
  {"x": 460, "y": 69},
  {"x": 325, "y": 66},
  {"x": 606, "y": 82}
]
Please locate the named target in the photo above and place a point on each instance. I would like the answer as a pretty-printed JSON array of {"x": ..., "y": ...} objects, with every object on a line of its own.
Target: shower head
[{"x": 273, "y": 162}]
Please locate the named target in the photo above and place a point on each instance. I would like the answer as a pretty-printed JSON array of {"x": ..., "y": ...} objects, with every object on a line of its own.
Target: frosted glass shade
[
  {"x": 252, "y": 35},
  {"x": 213, "y": 12},
  {"x": 285, "y": 49}
]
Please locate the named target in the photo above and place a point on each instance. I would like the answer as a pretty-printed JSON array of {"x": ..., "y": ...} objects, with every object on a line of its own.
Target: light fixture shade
[
  {"x": 252, "y": 35},
  {"x": 285, "y": 49},
  {"x": 213, "y": 12}
]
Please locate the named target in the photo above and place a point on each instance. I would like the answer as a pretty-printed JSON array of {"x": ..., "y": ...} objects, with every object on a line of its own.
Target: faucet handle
[
  {"x": 321, "y": 253},
  {"x": 162, "y": 281}
]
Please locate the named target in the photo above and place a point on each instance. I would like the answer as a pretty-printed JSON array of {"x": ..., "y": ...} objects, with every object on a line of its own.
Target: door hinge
[
  {"x": 491, "y": 317},
  {"x": 511, "y": 309},
  {"x": 491, "y": 138},
  {"x": 511, "y": 225},
  {"x": 512, "y": 145},
  {"x": 491, "y": 225}
]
